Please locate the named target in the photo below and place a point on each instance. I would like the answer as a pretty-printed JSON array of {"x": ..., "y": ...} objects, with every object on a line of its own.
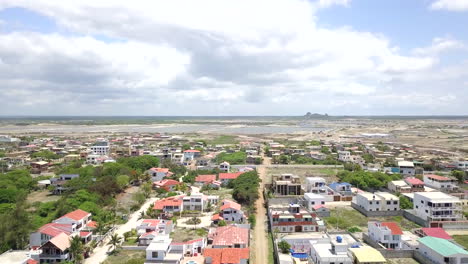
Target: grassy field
[
  {"x": 186, "y": 234},
  {"x": 42, "y": 196},
  {"x": 345, "y": 218},
  {"x": 126, "y": 257},
  {"x": 462, "y": 240},
  {"x": 223, "y": 193},
  {"x": 271, "y": 257},
  {"x": 404, "y": 223},
  {"x": 223, "y": 139}
]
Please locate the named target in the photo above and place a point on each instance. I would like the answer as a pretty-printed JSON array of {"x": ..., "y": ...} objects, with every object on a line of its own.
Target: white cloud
[
  {"x": 203, "y": 57},
  {"x": 450, "y": 5},
  {"x": 328, "y": 3}
]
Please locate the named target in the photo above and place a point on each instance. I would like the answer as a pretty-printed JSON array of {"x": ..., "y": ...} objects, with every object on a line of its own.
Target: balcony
[{"x": 54, "y": 256}]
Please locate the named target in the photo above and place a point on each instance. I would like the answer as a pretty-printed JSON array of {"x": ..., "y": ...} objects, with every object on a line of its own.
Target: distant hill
[{"x": 315, "y": 116}]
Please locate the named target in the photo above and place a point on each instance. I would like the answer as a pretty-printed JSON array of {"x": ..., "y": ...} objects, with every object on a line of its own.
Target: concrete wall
[
  {"x": 376, "y": 213},
  {"x": 411, "y": 215},
  {"x": 406, "y": 253}
]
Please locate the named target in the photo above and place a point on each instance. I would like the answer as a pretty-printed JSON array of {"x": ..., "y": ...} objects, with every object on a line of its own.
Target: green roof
[{"x": 442, "y": 246}]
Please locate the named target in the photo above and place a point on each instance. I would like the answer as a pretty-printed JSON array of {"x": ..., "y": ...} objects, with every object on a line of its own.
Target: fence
[{"x": 376, "y": 213}]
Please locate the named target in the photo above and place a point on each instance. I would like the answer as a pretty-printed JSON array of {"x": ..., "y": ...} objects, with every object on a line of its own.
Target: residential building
[
  {"x": 433, "y": 232},
  {"x": 415, "y": 184},
  {"x": 224, "y": 166},
  {"x": 59, "y": 182},
  {"x": 230, "y": 236},
  {"x": 159, "y": 225},
  {"x": 406, "y": 167},
  {"x": 160, "y": 251},
  {"x": 379, "y": 201},
  {"x": 316, "y": 185},
  {"x": 205, "y": 179},
  {"x": 54, "y": 250},
  {"x": 331, "y": 251},
  {"x": 226, "y": 255},
  {"x": 189, "y": 155},
  {"x": 101, "y": 148},
  {"x": 440, "y": 182},
  {"x": 313, "y": 199},
  {"x": 225, "y": 178},
  {"x": 169, "y": 205},
  {"x": 293, "y": 218},
  {"x": 189, "y": 248},
  {"x": 231, "y": 211},
  {"x": 438, "y": 250},
  {"x": 344, "y": 156},
  {"x": 78, "y": 219},
  {"x": 399, "y": 186},
  {"x": 342, "y": 188},
  {"x": 166, "y": 184},
  {"x": 437, "y": 206},
  {"x": 39, "y": 167},
  {"x": 367, "y": 255},
  {"x": 158, "y": 174},
  {"x": 387, "y": 234},
  {"x": 286, "y": 184}
]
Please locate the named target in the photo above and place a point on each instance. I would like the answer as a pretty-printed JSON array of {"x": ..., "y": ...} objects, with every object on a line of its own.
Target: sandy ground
[
  {"x": 260, "y": 239},
  {"x": 205, "y": 221},
  {"x": 100, "y": 253}
]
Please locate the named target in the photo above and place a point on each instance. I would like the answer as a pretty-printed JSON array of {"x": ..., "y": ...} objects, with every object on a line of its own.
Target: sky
[{"x": 233, "y": 57}]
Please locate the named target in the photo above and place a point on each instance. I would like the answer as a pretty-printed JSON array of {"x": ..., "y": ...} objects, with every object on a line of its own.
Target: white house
[
  {"x": 437, "y": 206},
  {"x": 406, "y": 167},
  {"x": 313, "y": 199},
  {"x": 77, "y": 218},
  {"x": 189, "y": 155},
  {"x": 159, "y": 251},
  {"x": 159, "y": 225},
  {"x": 386, "y": 233},
  {"x": 379, "y": 201},
  {"x": 398, "y": 186},
  {"x": 316, "y": 185},
  {"x": 101, "y": 148},
  {"x": 440, "y": 182},
  {"x": 333, "y": 251},
  {"x": 157, "y": 174},
  {"x": 231, "y": 211},
  {"x": 224, "y": 166},
  {"x": 438, "y": 250},
  {"x": 344, "y": 156}
]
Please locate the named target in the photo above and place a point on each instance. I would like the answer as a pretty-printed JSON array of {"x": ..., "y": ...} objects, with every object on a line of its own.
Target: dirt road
[
  {"x": 260, "y": 239},
  {"x": 100, "y": 253}
]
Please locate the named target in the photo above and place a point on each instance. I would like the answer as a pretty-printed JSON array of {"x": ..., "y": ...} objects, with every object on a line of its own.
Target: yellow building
[{"x": 367, "y": 255}]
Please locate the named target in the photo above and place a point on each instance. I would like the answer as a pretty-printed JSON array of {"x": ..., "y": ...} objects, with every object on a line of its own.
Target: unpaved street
[
  {"x": 100, "y": 253},
  {"x": 260, "y": 238}
]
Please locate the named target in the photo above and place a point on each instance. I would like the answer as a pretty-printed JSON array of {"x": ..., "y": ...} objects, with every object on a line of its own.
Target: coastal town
[{"x": 235, "y": 199}]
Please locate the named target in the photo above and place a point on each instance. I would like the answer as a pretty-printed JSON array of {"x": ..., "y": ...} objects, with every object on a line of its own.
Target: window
[
  {"x": 395, "y": 202},
  {"x": 323, "y": 202},
  {"x": 389, "y": 202},
  {"x": 154, "y": 254}
]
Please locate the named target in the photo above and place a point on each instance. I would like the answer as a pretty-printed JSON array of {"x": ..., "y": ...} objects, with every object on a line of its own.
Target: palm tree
[
  {"x": 76, "y": 249},
  {"x": 115, "y": 241}
]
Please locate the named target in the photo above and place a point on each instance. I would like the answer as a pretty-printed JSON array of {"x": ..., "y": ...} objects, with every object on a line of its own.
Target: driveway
[{"x": 100, "y": 253}]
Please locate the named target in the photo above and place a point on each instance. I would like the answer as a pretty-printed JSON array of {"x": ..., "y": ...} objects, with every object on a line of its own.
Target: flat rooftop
[{"x": 437, "y": 196}]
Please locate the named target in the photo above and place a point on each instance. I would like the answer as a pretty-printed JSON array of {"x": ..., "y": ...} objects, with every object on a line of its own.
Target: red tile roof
[
  {"x": 208, "y": 178},
  {"x": 396, "y": 230},
  {"x": 229, "y": 176},
  {"x": 414, "y": 181},
  {"x": 171, "y": 201},
  {"x": 32, "y": 261},
  {"x": 226, "y": 255},
  {"x": 76, "y": 215},
  {"x": 436, "y": 232},
  {"x": 54, "y": 229},
  {"x": 187, "y": 242},
  {"x": 92, "y": 224},
  {"x": 437, "y": 177},
  {"x": 230, "y": 204},
  {"x": 230, "y": 235},
  {"x": 191, "y": 150},
  {"x": 166, "y": 182},
  {"x": 159, "y": 169},
  {"x": 216, "y": 217},
  {"x": 85, "y": 234}
]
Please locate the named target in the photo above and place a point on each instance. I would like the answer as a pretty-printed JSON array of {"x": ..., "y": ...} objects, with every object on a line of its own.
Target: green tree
[
  {"x": 122, "y": 181},
  {"x": 252, "y": 221},
  {"x": 405, "y": 203},
  {"x": 222, "y": 223},
  {"x": 76, "y": 249},
  {"x": 245, "y": 187},
  {"x": 284, "y": 159},
  {"x": 459, "y": 175},
  {"x": 284, "y": 246},
  {"x": 115, "y": 241}
]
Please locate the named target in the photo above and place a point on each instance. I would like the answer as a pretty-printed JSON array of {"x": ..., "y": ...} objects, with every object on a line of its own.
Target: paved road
[
  {"x": 100, "y": 253},
  {"x": 260, "y": 239}
]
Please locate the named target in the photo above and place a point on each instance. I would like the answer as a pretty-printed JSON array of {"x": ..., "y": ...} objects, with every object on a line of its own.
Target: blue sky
[{"x": 224, "y": 57}]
